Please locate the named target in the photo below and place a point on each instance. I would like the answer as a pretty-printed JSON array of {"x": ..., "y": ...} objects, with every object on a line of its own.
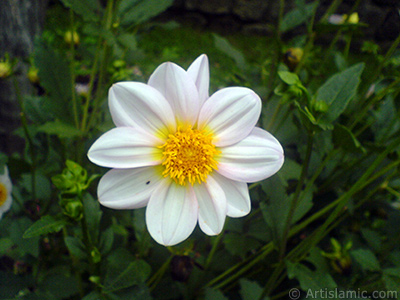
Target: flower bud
[
  {"x": 33, "y": 75},
  {"x": 71, "y": 37},
  {"x": 292, "y": 57},
  {"x": 5, "y": 69},
  {"x": 321, "y": 106},
  {"x": 353, "y": 18},
  {"x": 72, "y": 208}
]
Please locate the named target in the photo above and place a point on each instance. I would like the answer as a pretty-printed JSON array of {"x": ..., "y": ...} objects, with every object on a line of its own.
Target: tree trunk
[{"x": 20, "y": 22}]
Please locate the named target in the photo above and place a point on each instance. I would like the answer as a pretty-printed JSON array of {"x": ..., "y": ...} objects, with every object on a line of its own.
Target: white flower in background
[
  {"x": 5, "y": 192},
  {"x": 341, "y": 19},
  {"x": 183, "y": 154}
]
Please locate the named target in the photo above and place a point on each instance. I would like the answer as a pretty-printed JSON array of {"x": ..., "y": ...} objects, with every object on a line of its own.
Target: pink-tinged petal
[
  {"x": 126, "y": 147},
  {"x": 199, "y": 71},
  {"x": 128, "y": 188},
  {"x": 230, "y": 114},
  {"x": 212, "y": 206},
  {"x": 237, "y": 196},
  {"x": 171, "y": 214},
  {"x": 255, "y": 158},
  {"x": 135, "y": 104},
  {"x": 179, "y": 89}
]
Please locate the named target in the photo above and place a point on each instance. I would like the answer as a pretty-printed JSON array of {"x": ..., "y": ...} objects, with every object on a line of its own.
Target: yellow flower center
[
  {"x": 3, "y": 194},
  {"x": 188, "y": 155}
]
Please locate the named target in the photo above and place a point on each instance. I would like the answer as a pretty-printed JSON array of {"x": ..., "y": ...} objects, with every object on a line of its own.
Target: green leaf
[
  {"x": 45, "y": 225},
  {"x": 391, "y": 278},
  {"x": 85, "y": 8},
  {"x": 55, "y": 78},
  {"x": 106, "y": 240},
  {"x": 93, "y": 215},
  {"x": 26, "y": 246},
  {"x": 366, "y": 259},
  {"x": 308, "y": 279},
  {"x": 75, "y": 246},
  {"x": 5, "y": 245},
  {"x": 214, "y": 294},
  {"x": 250, "y": 290},
  {"x": 60, "y": 286},
  {"x": 312, "y": 279},
  {"x": 134, "y": 12},
  {"x": 240, "y": 245},
  {"x": 289, "y": 78},
  {"x": 62, "y": 130},
  {"x": 11, "y": 285},
  {"x": 276, "y": 209},
  {"x": 223, "y": 45},
  {"x": 135, "y": 272},
  {"x": 298, "y": 16},
  {"x": 344, "y": 138},
  {"x": 339, "y": 90}
]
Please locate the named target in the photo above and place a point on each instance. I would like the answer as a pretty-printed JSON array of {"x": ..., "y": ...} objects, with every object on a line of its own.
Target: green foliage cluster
[{"x": 328, "y": 220}]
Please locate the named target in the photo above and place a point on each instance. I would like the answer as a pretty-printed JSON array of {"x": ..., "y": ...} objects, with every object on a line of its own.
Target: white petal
[
  {"x": 179, "y": 89},
  {"x": 6, "y": 205},
  {"x": 171, "y": 214},
  {"x": 212, "y": 206},
  {"x": 6, "y": 181},
  {"x": 135, "y": 104},
  {"x": 128, "y": 189},
  {"x": 230, "y": 114},
  {"x": 237, "y": 196},
  {"x": 255, "y": 158},
  {"x": 126, "y": 147},
  {"x": 199, "y": 71}
]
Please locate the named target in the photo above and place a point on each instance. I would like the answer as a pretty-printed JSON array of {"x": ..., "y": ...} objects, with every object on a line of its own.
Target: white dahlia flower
[
  {"x": 5, "y": 192},
  {"x": 185, "y": 155}
]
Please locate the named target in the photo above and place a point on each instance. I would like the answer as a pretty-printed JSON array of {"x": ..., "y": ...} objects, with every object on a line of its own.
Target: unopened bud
[{"x": 71, "y": 37}]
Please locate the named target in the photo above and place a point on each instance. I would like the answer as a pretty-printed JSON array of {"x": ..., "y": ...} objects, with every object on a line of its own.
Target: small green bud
[
  {"x": 96, "y": 255},
  {"x": 95, "y": 279},
  {"x": 72, "y": 208},
  {"x": 73, "y": 180},
  {"x": 119, "y": 63},
  {"x": 321, "y": 106}
]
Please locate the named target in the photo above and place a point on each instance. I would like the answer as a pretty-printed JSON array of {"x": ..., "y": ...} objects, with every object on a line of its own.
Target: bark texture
[{"x": 20, "y": 22}]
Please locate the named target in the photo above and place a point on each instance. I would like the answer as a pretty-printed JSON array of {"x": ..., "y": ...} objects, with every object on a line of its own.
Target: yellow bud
[
  {"x": 71, "y": 37},
  {"x": 33, "y": 75},
  {"x": 5, "y": 69},
  {"x": 353, "y": 19},
  {"x": 292, "y": 57}
]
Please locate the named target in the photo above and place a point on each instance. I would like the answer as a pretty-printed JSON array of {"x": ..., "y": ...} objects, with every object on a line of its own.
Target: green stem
[
  {"x": 297, "y": 192},
  {"x": 155, "y": 279},
  {"x": 274, "y": 116},
  {"x": 371, "y": 101},
  {"x": 214, "y": 249},
  {"x": 100, "y": 67},
  {"x": 246, "y": 266},
  {"x": 356, "y": 187},
  {"x": 72, "y": 67},
  {"x": 74, "y": 268},
  {"x": 348, "y": 44},
  {"x": 27, "y": 136}
]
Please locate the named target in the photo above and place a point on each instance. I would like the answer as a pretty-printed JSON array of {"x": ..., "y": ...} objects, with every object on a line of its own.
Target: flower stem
[
  {"x": 297, "y": 192},
  {"x": 72, "y": 67},
  {"x": 28, "y": 137}
]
